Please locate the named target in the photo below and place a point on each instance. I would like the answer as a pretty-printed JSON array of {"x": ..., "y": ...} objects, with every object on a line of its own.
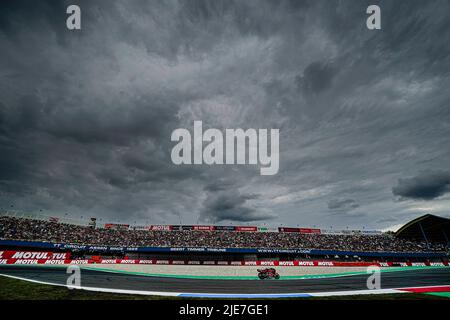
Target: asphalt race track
[{"x": 121, "y": 281}]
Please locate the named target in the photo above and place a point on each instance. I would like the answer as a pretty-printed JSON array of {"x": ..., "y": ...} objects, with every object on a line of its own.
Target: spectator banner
[
  {"x": 265, "y": 229},
  {"x": 284, "y": 229},
  {"x": 309, "y": 230},
  {"x": 116, "y": 226},
  {"x": 160, "y": 228},
  {"x": 204, "y": 228},
  {"x": 246, "y": 229},
  {"x": 225, "y": 228},
  {"x": 300, "y": 230},
  {"x": 140, "y": 228},
  {"x": 182, "y": 228}
]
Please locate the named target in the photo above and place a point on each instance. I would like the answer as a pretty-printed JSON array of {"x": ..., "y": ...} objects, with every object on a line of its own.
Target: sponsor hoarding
[
  {"x": 160, "y": 228},
  {"x": 204, "y": 228},
  {"x": 117, "y": 226},
  {"x": 10, "y": 254},
  {"x": 309, "y": 230},
  {"x": 246, "y": 229},
  {"x": 285, "y": 229},
  {"x": 225, "y": 228}
]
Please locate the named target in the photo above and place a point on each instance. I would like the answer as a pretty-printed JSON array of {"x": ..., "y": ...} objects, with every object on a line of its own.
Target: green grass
[{"x": 13, "y": 289}]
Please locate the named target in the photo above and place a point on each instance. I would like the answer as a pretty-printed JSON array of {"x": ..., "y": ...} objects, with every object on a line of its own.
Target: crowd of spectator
[{"x": 39, "y": 230}]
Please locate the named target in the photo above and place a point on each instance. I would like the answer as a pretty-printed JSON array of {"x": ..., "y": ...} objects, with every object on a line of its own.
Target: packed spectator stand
[{"x": 12, "y": 228}]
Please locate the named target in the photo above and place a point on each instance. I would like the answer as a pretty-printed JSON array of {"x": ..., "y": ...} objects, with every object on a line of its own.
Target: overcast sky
[{"x": 364, "y": 116}]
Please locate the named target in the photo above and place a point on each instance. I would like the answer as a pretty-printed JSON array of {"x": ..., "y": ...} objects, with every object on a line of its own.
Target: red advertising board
[
  {"x": 204, "y": 228},
  {"x": 284, "y": 229},
  {"x": 117, "y": 226},
  {"x": 309, "y": 230},
  {"x": 45, "y": 255},
  {"x": 246, "y": 229}
]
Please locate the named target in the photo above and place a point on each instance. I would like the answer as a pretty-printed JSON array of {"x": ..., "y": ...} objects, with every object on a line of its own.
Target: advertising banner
[
  {"x": 140, "y": 228},
  {"x": 285, "y": 229},
  {"x": 116, "y": 226},
  {"x": 34, "y": 255},
  {"x": 182, "y": 228},
  {"x": 160, "y": 228},
  {"x": 225, "y": 228},
  {"x": 309, "y": 230},
  {"x": 246, "y": 229},
  {"x": 204, "y": 228}
]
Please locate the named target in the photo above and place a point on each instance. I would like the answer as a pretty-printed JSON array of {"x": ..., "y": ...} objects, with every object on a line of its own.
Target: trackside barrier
[
  {"x": 32, "y": 255},
  {"x": 266, "y": 263}
]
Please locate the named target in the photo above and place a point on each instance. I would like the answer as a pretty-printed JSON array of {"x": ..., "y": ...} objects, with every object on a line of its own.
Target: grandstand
[
  {"x": 220, "y": 242},
  {"x": 428, "y": 228}
]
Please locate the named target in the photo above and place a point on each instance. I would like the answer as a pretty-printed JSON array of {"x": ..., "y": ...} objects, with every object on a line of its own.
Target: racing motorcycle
[{"x": 269, "y": 273}]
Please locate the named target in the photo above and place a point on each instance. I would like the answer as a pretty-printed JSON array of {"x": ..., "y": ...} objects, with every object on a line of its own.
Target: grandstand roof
[{"x": 428, "y": 226}]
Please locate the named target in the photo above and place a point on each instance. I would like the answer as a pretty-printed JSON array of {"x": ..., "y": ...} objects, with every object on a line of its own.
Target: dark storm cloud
[
  {"x": 219, "y": 185},
  {"x": 86, "y": 117},
  {"x": 231, "y": 205},
  {"x": 425, "y": 186},
  {"x": 342, "y": 204},
  {"x": 316, "y": 77}
]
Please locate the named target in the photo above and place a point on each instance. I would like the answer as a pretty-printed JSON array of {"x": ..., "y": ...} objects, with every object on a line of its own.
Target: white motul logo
[{"x": 235, "y": 140}]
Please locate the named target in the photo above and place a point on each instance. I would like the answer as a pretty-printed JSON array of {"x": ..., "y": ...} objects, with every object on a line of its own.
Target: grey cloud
[
  {"x": 230, "y": 205},
  {"x": 387, "y": 220},
  {"x": 342, "y": 204},
  {"x": 316, "y": 77},
  {"x": 425, "y": 186}
]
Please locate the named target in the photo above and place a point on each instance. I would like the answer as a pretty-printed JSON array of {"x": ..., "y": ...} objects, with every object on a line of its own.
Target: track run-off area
[{"x": 121, "y": 280}]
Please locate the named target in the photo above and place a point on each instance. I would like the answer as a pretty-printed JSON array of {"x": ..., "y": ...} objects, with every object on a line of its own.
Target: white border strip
[
  {"x": 356, "y": 292},
  {"x": 108, "y": 290}
]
